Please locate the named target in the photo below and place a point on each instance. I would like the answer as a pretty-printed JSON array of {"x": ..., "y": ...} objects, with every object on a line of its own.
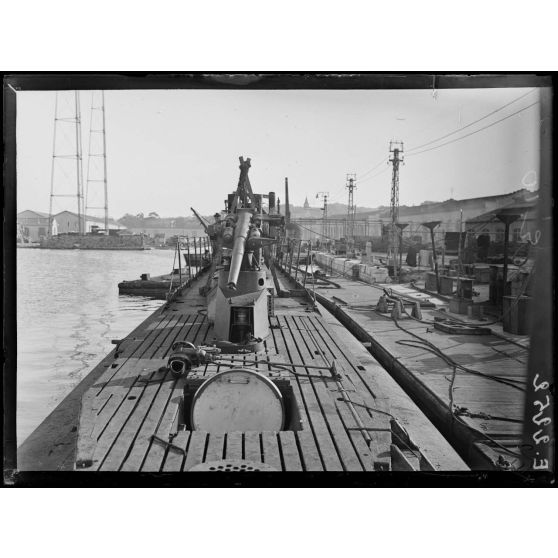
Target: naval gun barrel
[{"x": 240, "y": 234}]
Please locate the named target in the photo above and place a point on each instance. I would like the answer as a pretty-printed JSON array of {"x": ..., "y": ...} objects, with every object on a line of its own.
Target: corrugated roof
[
  {"x": 88, "y": 217},
  {"x": 529, "y": 203},
  {"x": 39, "y": 213}
]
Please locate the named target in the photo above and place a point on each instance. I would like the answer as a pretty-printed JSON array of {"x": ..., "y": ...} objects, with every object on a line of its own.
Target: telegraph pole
[
  {"x": 324, "y": 196},
  {"x": 351, "y": 210},
  {"x": 396, "y": 157}
]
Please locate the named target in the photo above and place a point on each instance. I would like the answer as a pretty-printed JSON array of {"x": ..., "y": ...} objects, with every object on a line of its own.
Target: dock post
[
  {"x": 289, "y": 268},
  {"x": 307, "y": 262},
  {"x": 431, "y": 225},
  {"x": 189, "y": 260},
  {"x": 202, "y": 250},
  {"x": 397, "y": 272},
  {"x": 297, "y": 259},
  {"x": 195, "y": 256},
  {"x": 179, "y": 261},
  {"x": 507, "y": 219}
]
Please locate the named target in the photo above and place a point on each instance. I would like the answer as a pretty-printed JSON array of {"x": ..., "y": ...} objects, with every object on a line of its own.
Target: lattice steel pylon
[
  {"x": 396, "y": 157},
  {"x": 96, "y": 193},
  {"x": 324, "y": 196},
  {"x": 67, "y": 164},
  {"x": 351, "y": 209}
]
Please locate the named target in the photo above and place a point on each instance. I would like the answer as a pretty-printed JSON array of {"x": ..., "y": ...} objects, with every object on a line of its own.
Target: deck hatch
[{"x": 268, "y": 398}]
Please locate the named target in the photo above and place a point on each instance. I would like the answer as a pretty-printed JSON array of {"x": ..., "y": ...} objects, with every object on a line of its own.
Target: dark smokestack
[{"x": 287, "y": 206}]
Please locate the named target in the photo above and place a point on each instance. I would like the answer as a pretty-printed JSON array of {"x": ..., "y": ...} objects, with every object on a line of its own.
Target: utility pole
[
  {"x": 396, "y": 157},
  {"x": 67, "y": 121},
  {"x": 351, "y": 210},
  {"x": 97, "y": 159},
  {"x": 324, "y": 196}
]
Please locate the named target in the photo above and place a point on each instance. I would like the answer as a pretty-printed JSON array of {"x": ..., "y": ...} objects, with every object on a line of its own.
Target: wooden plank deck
[
  {"x": 486, "y": 423},
  {"x": 130, "y": 417}
]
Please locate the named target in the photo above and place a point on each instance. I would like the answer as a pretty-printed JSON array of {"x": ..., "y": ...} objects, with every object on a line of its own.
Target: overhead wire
[
  {"x": 374, "y": 175},
  {"x": 360, "y": 175},
  {"x": 471, "y": 123},
  {"x": 473, "y": 132}
]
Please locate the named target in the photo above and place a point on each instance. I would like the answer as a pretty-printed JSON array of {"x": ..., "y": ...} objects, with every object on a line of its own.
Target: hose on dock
[
  {"x": 426, "y": 345},
  {"x": 422, "y": 343}
]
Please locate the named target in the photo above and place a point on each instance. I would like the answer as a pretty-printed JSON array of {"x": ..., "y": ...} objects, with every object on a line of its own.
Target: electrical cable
[
  {"x": 487, "y": 437},
  {"x": 362, "y": 174},
  {"x": 450, "y": 362},
  {"x": 374, "y": 175},
  {"x": 472, "y": 123},
  {"x": 472, "y": 133},
  {"x": 424, "y": 344}
]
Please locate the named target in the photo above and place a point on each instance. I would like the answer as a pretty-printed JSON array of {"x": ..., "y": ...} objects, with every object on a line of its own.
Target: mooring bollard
[
  {"x": 382, "y": 306},
  {"x": 416, "y": 311},
  {"x": 396, "y": 312}
]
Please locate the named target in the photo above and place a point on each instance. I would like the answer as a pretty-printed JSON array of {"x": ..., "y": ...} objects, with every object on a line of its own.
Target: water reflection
[{"x": 68, "y": 311}]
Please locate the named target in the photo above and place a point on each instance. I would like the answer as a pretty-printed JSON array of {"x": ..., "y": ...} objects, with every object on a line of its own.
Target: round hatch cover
[{"x": 237, "y": 400}]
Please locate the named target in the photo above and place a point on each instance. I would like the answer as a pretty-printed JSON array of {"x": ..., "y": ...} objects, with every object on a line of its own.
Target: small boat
[{"x": 154, "y": 287}]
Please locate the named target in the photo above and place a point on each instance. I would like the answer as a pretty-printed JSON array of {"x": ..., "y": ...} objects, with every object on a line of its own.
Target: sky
[{"x": 168, "y": 150}]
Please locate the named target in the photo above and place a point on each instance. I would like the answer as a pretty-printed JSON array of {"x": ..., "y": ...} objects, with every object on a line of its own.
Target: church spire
[{"x": 306, "y": 204}]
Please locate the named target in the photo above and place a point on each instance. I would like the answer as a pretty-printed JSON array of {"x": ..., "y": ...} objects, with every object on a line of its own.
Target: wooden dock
[{"x": 470, "y": 386}]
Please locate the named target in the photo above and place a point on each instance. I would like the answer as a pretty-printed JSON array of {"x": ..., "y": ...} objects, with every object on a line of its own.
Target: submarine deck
[{"x": 129, "y": 415}]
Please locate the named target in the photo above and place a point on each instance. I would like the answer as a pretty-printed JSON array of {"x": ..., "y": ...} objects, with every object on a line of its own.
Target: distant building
[
  {"x": 372, "y": 223},
  {"x": 521, "y": 230},
  {"x": 306, "y": 204},
  {"x": 448, "y": 212},
  {"x": 163, "y": 233},
  {"x": 162, "y": 228},
  {"x": 32, "y": 225},
  {"x": 68, "y": 221}
]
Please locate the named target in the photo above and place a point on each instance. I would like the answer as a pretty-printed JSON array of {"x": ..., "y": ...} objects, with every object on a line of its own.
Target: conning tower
[{"x": 242, "y": 237}]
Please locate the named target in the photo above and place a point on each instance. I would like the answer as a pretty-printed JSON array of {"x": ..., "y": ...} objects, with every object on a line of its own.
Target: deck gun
[{"x": 242, "y": 238}]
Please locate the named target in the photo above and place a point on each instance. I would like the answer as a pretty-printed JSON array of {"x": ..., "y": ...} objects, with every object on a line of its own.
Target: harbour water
[{"x": 68, "y": 311}]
